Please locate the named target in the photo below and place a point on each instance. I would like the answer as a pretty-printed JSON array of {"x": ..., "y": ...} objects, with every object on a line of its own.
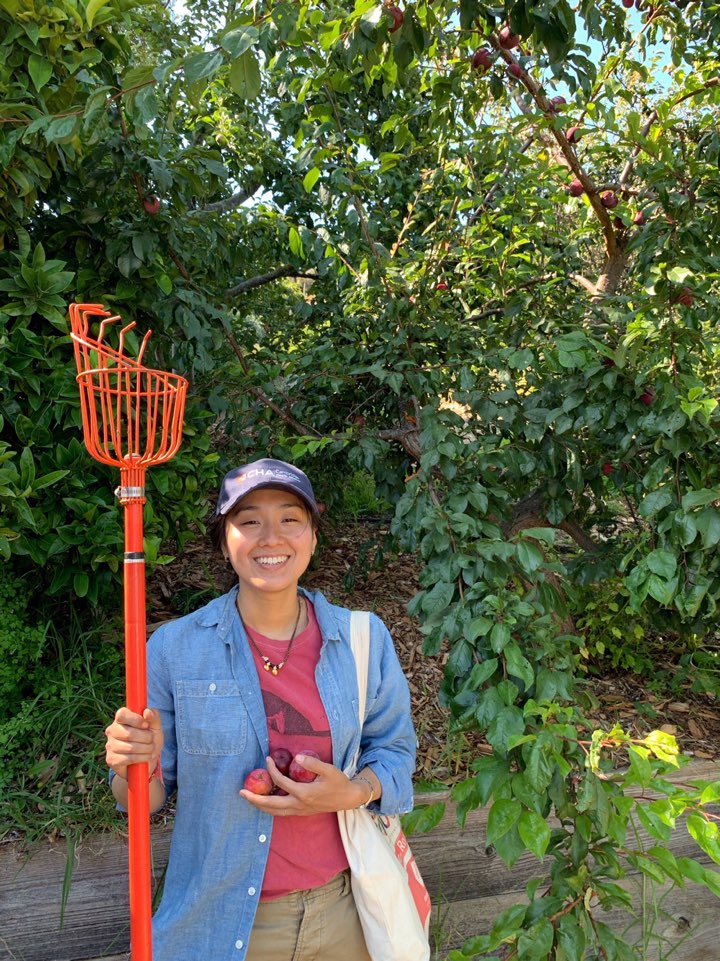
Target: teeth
[{"x": 270, "y": 561}]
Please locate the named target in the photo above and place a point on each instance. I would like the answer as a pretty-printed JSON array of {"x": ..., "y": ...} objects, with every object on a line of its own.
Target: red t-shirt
[{"x": 297, "y": 721}]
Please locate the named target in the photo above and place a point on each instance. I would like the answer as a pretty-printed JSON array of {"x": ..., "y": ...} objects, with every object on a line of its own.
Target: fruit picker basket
[{"x": 132, "y": 415}]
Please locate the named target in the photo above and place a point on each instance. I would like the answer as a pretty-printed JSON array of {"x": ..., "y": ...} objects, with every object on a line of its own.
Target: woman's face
[{"x": 269, "y": 540}]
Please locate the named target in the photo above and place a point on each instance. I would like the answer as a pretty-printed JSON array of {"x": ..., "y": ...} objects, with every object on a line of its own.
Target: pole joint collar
[{"x": 127, "y": 494}]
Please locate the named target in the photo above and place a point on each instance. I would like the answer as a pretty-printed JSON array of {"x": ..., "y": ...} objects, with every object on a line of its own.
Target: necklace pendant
[{"x": 269, "y": 665}]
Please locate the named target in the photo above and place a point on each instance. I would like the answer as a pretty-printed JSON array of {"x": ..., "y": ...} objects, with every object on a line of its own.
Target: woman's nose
[{"x": 270, "y": 532}]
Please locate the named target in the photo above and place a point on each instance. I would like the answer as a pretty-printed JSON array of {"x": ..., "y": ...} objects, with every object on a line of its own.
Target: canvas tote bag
[{"x": 391, "y": 898}]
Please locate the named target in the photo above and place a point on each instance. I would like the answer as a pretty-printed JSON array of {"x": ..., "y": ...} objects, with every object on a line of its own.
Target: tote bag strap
[{"x": 360, "y": 643}]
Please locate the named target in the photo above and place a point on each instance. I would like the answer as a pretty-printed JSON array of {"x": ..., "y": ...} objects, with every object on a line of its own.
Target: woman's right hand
[{"x": 133, "y": 739}]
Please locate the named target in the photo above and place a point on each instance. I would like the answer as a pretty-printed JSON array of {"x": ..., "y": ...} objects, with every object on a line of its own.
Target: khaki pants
[{"x": 321, "y": 924}]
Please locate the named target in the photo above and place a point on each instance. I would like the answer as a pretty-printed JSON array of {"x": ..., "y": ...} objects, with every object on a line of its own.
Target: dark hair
[{"x": 216, "y": 532}]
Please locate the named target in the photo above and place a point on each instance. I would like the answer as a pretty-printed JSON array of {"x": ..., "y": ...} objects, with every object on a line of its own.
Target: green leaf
[
  {"x": 640, "y": 768},
  {"x": 238, "y": 41},
  {"x": 706, "y": 834},
  {"x": 656, "y": 819},
  {"x": 529, "y": 556},
  {"x": 536, "y": 943},
  {"x": 667, "y": 861},
  {"x": 655, "y": 501},
  {"x": 711, "y": 879},
  {"x": 39, "y": 69},
  {"x": 47, "y": 479},
  {"x": 508, "y": 721},
  {"x": 481, "y": 672},
  {"x": 164, "y": 283},
  {"x": 296, "y": 244},
  {"x": 571, "y": 938},
  {"x": 546, "y": 534},
  {"x": 423, "y": 818},
  {"x": 244, "y": 76},
  {"x": 700, "y": 498},
  {"x": 81, "y": 583},
  {"x": 509, "y": 847},
  {"x": 518, "y": 665},
  {"x": 202, "y": 65},
  {"x": 491, "y": 773},
  {"x": 499, "y": 637},
  {"x": 502, "y": 816},
  {"x": 534, "y": 832},
  {"x": 403, "y": 53},
  {"x": 648, "y": 867},
  {"x": 707, "y": 522},
  {"x": 91, "y": 10},
  {"x": 61, "y": 129},
  {"x": 478, "y": 627},
  {"x": 310, "y": 179},
  {"x": 436, "y": 601},
  {"x": 660, "y": 589},
  {"x": 662, "y": 562}
]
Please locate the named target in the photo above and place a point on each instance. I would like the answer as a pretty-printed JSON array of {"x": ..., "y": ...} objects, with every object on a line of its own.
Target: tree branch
[
  {"x": 287, "y": 270},
  {"x": 568, "y": 153},
  {"x": 228, "y": 204},
  {"x": 584, "y": 282},
  {"x": 256, "y": 392}
]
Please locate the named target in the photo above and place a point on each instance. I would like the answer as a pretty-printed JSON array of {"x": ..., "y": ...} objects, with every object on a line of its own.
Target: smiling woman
[
  {"x": 267, "y": 671},
  {"x": 269, "y": 540}
]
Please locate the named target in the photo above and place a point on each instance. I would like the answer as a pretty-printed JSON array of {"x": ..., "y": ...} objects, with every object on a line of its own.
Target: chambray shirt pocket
[{"x": 211, "y": 717}]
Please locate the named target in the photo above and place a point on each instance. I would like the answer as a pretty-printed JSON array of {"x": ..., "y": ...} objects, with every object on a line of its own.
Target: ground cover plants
[{"x": 466, "y": 249}]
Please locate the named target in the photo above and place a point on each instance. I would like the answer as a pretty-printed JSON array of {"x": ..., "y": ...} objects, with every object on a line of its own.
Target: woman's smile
[{"x": 272, "y": 561}]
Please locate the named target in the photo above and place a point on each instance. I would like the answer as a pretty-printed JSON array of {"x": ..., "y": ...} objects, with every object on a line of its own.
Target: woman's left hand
[{"x": 330, "y": 791}]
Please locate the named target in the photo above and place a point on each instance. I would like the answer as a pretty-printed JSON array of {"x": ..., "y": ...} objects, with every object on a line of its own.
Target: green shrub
[
  {"x": 611, "y": 630},
  {"x": 359, "y": 495},
  {"x": 58, "y": 690},
  {"x": 60, "y": 519},
  {"x": 22, "y": 642}
]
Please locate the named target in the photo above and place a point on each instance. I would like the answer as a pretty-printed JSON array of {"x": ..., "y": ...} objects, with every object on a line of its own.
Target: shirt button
[
  {"x": 263, "y": 838},
  {"x": 213, "y": 686},
  {"x": 251, "y": 891},
  {"x": 238, "y": 944}
]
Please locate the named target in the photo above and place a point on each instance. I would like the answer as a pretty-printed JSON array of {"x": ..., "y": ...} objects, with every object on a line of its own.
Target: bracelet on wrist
[
  {"x": 360, "y": 777},
  {"x": 155, "y": 775}
]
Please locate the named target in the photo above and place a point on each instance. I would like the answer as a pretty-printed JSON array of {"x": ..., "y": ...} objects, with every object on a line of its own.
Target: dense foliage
[{"x": 500, "y": 223}]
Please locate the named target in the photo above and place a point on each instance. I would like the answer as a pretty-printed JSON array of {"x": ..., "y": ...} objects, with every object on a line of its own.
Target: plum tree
[{"x": 320, "y": 170}]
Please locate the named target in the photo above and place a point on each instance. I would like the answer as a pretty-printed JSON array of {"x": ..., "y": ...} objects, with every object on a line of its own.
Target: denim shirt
[{"x": 203, "y": 680}]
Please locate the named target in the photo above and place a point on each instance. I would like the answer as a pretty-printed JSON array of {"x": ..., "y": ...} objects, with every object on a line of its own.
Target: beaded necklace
[{"x": 269, "y": 665}]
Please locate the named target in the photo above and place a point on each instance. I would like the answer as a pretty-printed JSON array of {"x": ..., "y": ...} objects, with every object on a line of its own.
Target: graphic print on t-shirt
[{"x": 284, "y": 719}]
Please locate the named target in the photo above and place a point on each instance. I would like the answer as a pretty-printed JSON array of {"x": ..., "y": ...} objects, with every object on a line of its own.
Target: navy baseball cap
[{"x": 264, "y": 473}]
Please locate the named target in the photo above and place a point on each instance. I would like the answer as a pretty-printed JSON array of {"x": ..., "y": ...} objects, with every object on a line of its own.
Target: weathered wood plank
[{"x": 468, "y": 883}]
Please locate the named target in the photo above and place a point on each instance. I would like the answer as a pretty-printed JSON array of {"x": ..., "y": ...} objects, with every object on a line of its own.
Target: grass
[{"x": 53, "y": 781}]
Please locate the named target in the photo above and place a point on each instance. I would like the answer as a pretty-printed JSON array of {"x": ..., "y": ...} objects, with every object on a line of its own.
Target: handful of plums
[{"x": 259, "y": 781}]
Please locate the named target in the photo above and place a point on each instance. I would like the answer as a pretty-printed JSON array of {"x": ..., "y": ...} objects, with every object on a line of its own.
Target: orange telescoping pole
[
  {"x": 136, "y": 697},
  {"x": 132, "y": 419}
]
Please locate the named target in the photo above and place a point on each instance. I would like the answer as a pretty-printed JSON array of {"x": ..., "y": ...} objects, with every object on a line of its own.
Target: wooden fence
[{"x": 468, "y": 883}]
